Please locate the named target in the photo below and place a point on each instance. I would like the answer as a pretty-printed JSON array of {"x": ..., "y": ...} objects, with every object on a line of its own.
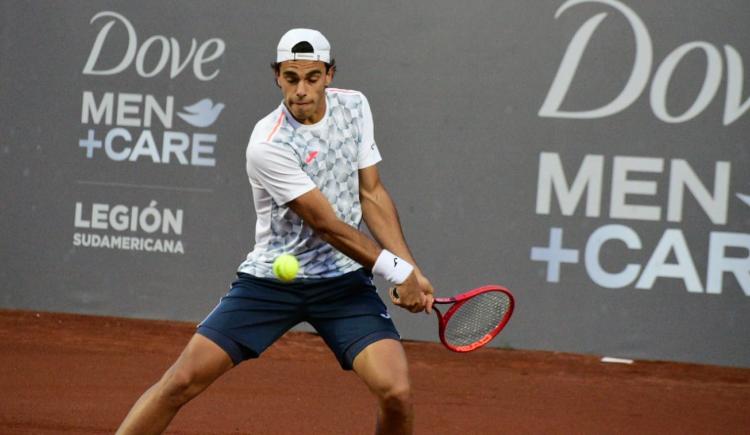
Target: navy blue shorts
[{"x": 346, "y": 311}]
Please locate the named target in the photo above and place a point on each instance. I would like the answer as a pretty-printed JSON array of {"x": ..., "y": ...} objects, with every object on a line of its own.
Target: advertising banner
[{"x": 590, "y": 155}]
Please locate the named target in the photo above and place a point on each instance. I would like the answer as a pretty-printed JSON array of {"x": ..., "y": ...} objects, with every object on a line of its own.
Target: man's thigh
[
  {"x": 199, "y": 364},
  {"x": 383, "y": 366}
]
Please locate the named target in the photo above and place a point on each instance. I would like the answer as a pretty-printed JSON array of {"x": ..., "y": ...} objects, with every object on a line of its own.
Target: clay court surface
[{"x": 71, "y": 374}]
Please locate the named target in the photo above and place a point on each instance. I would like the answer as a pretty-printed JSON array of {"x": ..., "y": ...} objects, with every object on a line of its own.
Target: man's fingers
[
  {"x": 418, "y": 305},
  {"x": 430, "y": 303},
  {"x": 394, "y": 293},
  {"x": 423, "y": 301},
  {"x": 430, "y": 290}
]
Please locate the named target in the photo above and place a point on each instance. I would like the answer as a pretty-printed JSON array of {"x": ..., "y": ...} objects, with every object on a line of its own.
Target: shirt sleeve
[
  {"x": 368, "y": 149},
  {"x": 277, "y": 170}
]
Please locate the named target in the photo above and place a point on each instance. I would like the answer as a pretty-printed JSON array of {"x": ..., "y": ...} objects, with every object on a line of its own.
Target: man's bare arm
[
  {"x": 381, "y": 216},
  {"x": 313, "y": 207}
]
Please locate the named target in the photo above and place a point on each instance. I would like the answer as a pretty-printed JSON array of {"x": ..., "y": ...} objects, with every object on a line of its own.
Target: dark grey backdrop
[{"x": 456, "y": 91}]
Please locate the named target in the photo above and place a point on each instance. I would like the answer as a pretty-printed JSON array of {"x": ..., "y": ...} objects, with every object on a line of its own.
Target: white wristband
[{"x": 394, "y": 269}]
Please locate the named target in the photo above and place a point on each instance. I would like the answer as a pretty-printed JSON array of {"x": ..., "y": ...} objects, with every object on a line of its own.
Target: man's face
[{"x": 303, "y": 83}]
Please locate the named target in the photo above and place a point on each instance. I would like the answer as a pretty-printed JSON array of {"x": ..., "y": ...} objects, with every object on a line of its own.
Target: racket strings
[{"x": 476, "y": 318}]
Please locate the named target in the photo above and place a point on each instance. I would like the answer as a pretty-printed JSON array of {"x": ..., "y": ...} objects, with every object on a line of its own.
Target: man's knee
[
  {"x": 397, "y": 397},
  {"x": 178, "y": 386},
  {"x": 198, "y": 366}
]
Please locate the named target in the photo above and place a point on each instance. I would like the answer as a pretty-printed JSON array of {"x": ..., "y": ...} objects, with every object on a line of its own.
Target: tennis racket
[{"x": 474, "y": 318}]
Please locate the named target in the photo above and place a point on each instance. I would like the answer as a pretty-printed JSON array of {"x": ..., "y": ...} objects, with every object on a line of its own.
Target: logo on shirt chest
[{"x": 310, "y": 157}]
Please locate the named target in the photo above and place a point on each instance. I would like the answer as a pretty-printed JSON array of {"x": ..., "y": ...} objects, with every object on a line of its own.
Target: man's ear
[
  {"x": 329, "y": 76},
  {"x": 276, "y": 79}
]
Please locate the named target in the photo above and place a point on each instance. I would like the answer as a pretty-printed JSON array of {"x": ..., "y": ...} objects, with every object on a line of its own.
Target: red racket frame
[{"x": 461, "y": 299}]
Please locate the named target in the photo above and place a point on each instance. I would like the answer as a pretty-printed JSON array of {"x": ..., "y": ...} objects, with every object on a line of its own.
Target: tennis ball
[{"x": 285, "y": 267}]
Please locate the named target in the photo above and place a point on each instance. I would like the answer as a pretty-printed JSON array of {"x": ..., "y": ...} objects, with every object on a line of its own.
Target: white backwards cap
[{"x": 321, "y": 48}]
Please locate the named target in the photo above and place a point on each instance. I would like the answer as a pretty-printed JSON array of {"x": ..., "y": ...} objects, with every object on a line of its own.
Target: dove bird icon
[{"x": 201, "y": 114}]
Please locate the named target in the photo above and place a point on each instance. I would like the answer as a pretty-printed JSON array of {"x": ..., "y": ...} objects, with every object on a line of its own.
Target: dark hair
[{"x": 304, "y": 47}]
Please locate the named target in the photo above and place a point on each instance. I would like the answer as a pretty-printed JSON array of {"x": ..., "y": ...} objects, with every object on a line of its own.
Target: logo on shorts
[{"x": 385, "y": 315}]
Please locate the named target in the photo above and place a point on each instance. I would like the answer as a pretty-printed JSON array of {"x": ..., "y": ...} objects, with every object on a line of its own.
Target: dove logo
[
  {"x": 640, "y": 74},
  {"x": 167, "y": 51},
  {"x": 201, "y": 114}
]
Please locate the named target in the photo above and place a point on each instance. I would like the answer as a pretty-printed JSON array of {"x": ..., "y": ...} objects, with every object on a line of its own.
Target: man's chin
[{"x": 300, "y": 116}]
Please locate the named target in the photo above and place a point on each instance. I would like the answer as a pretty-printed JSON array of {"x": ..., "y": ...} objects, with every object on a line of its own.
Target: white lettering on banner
[
  {"x": 657, "y": 267},
  {"x": 124, "y": 243},
  {"x": 122, "y": 218},
  {"x": 92, "y": 112},
  {"x": 201, "y": 147},
  {"x": 672, "y": 242},
  {"x": 594, "y": 246},
  {"x": 551, "y": 175},
  {"x": 622, "y": 185},
  {"x": 638, "y": 77},
  {"x": 103, "y": 110},
  {"x": 734, "y": 108},
  {"x": 671, "y": 258},
  {"x": 590, "y": 174},
  {"x": 136, "y": 110},
  {"x": 718, "y": 264},
  {"x": 139, "y": 60},
  {"x": 733, "y": 105},
  {"x": 109, "y": 140},
  {"x": 554, "y": 255},
  {"x": 664, "y": 74},
  {"x": 681, "y": 175},
  {"x": 164, "y": 49}
]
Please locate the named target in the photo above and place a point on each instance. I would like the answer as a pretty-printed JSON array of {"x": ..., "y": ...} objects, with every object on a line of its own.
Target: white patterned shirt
[{"x": 286, "y": 159}]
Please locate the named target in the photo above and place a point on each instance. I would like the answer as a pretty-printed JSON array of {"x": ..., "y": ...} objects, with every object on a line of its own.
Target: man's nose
[{"x": 301, "y": 89}]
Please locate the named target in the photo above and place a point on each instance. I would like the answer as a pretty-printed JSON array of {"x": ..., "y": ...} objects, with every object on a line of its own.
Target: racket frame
[{"x": 461, "y": 299}]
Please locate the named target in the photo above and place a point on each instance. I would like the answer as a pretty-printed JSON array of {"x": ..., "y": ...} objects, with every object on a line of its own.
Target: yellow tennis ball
[{"x": 285, "y": 267}]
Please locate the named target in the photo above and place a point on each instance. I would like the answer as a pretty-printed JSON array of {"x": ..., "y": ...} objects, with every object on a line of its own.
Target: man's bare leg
[
  {"x": 201, "y": 363},
  {"x": 382, "y": 366}
]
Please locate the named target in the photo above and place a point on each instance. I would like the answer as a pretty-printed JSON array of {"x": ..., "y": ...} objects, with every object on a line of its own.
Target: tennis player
[{"x": 312, "y": 168}]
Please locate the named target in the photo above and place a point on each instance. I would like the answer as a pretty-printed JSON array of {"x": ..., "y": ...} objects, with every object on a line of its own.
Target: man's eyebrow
[{"x": 293, "y": 74}]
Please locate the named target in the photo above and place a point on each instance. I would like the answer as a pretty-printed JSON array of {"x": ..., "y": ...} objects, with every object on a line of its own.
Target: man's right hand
[{"x": 415, "y": 294}]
